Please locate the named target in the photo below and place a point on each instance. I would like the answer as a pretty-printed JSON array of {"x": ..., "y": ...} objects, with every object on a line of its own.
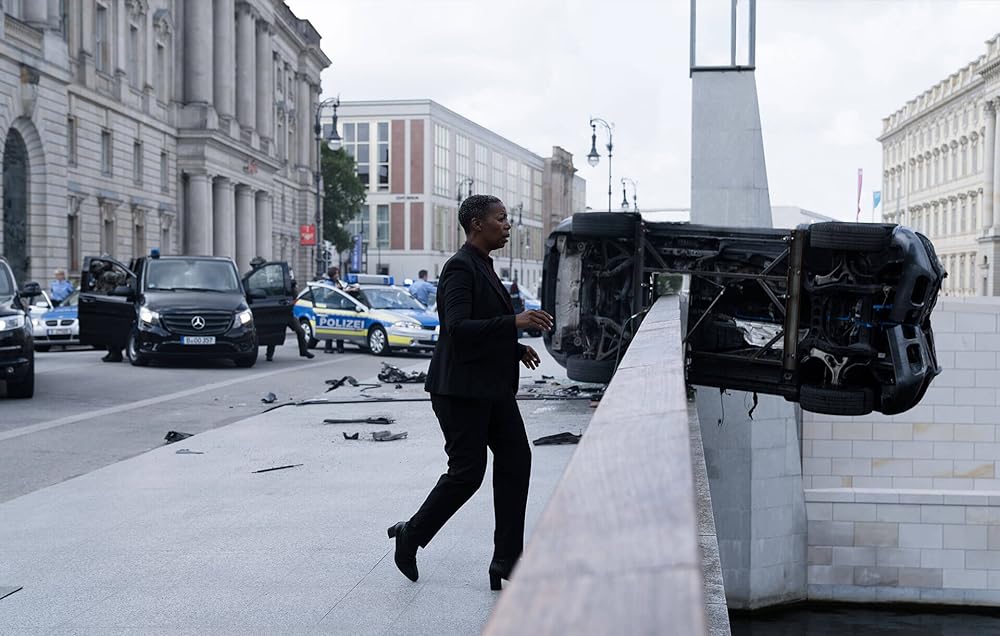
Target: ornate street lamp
[
  {"x": 635, "y": 204},
  {"x": 594, "y": 157},
  {"x": 510, "y": 246},
  {"x": 333, "y": 142},
  {"x": 458, "y": 200}
]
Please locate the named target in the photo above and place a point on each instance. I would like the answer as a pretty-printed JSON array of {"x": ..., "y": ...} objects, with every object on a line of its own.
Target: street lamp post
[
  {"x": 458, "y": 200},
  {"x": 510, "y": 261},
  {"x": 333, "y": 141},
  {"x": 594, "y": 157},
  {"x": 635, "y": 204}
]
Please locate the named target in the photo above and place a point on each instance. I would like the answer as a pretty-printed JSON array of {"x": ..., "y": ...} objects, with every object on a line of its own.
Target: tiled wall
[{"x": 907, "y": 507}]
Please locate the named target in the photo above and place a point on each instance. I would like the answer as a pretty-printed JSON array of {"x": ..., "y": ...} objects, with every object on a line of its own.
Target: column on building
[
  {"x": 992, "y": 148},
  {"x": 224, "y": 59},
  {"x": 199, "y": 215},
  {"x": 198, "y": 49},
  {"x": 224, "y": 218},
  {"x": 245, "y": 226},
  {"x": 264, "y": 225},
  {"x": 265, "y": 84},
  {"x": 305, "y": 109},
  {"x": 246, "y": 102},
  {"x": 989, "y": 165}
]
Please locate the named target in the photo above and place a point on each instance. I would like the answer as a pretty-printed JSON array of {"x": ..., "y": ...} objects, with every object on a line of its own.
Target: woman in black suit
[{"x": 473, "y": 378}]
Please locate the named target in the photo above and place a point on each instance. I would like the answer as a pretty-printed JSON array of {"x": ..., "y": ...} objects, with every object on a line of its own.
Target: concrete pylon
[{"x": 754, "y": 465}]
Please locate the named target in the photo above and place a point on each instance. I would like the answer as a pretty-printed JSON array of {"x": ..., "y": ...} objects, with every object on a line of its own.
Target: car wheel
[
  {"x": 604, "y": 224},
  {"x": 310, "y": 336},
  {"x": 853, "y": 237},
  {"x": 586, "y": 370},
  {"x": 135, "y": 357},
  {"x": 378, "y": 341},
  {"x": 247, "y": 361},
  {"x": 836, "y": 401},
  {"x": 26, "y": 387},
  {"x": 43, "y": 348}
]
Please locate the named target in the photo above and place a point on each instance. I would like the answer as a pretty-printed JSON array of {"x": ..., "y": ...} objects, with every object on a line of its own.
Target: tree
[{"x": 343, "y": 196}]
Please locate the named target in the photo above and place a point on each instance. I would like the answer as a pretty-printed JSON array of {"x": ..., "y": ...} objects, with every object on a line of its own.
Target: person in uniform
[
  {"x": 256, "y": 263},
  {"x": 333, "y": 278}
]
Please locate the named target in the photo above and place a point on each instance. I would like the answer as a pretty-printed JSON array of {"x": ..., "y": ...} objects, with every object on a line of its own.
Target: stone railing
[{"x": 618, "y": 548}]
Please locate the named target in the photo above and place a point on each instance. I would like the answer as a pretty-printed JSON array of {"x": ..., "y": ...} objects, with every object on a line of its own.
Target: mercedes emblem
[{"x": 198, "y": 322}]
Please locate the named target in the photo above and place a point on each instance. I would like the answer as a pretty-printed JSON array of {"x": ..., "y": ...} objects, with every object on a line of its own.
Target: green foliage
[{"x": 343, "y": 196}]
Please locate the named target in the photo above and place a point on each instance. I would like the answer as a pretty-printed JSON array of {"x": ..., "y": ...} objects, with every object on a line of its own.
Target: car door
[
  {"x": 106, "y": 306},
  {"x": 270, "y": 296},
  {"x": 348, "y": 321}
]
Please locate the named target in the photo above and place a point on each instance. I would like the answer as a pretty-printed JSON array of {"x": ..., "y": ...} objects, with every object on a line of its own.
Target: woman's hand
[{"x": 530, "y": 358}]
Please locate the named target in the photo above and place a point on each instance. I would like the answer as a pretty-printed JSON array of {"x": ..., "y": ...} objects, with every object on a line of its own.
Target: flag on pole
[
  {"x": 876, "y": 198},
  {"x": 858, "y": 216}
]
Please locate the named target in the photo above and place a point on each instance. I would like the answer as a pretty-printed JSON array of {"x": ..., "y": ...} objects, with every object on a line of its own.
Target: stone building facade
[
  {"x": 183, "y": 125},
  {"x": 941, "y": 172},
  {"x": 419, "y": 159}
]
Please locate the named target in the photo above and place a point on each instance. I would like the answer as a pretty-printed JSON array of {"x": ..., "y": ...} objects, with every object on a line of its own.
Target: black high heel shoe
[
  {"x": 499, "y": 569},
  {"x": 406, "y": 551}
]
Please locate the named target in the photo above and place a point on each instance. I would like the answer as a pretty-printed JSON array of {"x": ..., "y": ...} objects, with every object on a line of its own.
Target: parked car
[
  {"x": 59, "y": 326},
  {"x": 183, "y": 307},
  {"x": 834, "y": 316},
  {"x": 17, "y": 351},
  {"x": 376, "y": 316}
]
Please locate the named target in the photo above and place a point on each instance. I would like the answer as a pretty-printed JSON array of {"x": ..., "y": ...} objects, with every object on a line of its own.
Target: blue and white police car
[{"x": 371, "y": 313}]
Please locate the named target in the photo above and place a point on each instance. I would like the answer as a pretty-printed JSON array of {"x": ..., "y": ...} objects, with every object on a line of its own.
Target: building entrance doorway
[{"x": 15, "y": 205}]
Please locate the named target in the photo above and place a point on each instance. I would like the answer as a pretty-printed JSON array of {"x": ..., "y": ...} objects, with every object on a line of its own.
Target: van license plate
[
  {"x": 198, "y": 340},
  {"x": 60, "y": 332}
]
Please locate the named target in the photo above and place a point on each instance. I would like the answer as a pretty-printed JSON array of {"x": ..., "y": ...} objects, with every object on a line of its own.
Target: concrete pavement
[{"x": 198, "y": 543}]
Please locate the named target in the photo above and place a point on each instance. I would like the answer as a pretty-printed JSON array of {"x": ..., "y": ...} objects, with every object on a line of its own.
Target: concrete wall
[{"x": 900, "y": 507}]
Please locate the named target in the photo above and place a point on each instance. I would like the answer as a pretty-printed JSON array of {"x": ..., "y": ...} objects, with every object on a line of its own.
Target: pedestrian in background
[
  {"x": 60, "y": 288},
  {"x": 421, "y": 289},
  {"x": 515, "y": 297},
  {"x": 290, "y": 322},
  {"x": 333, "y": 278},
  {"x": 473, "y": 378}
]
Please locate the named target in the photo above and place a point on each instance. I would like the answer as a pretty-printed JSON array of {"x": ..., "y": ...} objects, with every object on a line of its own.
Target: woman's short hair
[{"x": 475, "y": 207}]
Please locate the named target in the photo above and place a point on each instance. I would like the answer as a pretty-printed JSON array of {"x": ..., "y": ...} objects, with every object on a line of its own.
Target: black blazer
[{"x": 477, "y": 352}]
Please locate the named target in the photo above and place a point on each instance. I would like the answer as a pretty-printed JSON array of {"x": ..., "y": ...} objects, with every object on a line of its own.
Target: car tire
[
  {"x": 311, "y": 340},
  {"x": 135, "y": 357},
  {"x": 25, "y": 388},
  {"x": 836, "y": 401},
  {"x": 378, "y": 341},
  {"x": 43, "y": 348},
  {"x": 586, "y": 370},
  {"x": 852, "y": 237},
  {"x": 604, "y": 224},
  {"x": 247, "y": 361}
]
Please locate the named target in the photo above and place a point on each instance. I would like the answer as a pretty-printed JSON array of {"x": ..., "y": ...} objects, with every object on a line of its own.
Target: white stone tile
[
  {"x": 975, "y": 396},
  {"x": 816, "y": 466},
  {"x": 976, "y": 360},
  {"x": 893, "y": 431},
  {"x": 816, "y": 430},
  {"x": 830, "y": 533},
  {"x": 979, "y": 469},
  {"x": 876, "y": 534},
  {"x": 943, "y": 321},
  {"x": 942, "y": 558},
  {"x": 986, "y": 378},
  {"x": 897, "y": 594},
  {"x": 968, "y": 498},
  {"x": 956, "y": 378},
  {"x": 941, "y": 597},
  {"x": 982, "y": 597},
  {"x": 831, "y": 495},
  {"x": 977, "y": 515},
  {"x": 921, "y": 498},
  {"x": 982, "y": 560},
  {"x": 939, "y": 395},
  {"x": 933, "y": 468},
  {"x": 819, "y": 511},
  {"x": 898, "y": 557},
  {"x": 853, "y": 512},
  {"x": 872, "y": 482},
  {"x": 951, "y": 483},
  {"x": 909, "y": 513},
  {"x": 944, "y": 415},
  {"x": 942, "y": 514},
  {"x": 987, "y": 451},
  {"x": 969, "y": 322},
  {"x": 819, "y": 555},
  {"x": 987, "y": 342},
  {"x": 854, "y": 430},
  {"x": 975, "y": 433},
  {"x": 939, "y": 431},
  {"x": 913, "y": 483},
  {"x": 988, "y": 486},
  {"x": 892, "y": 468},
  {"x": 864, "y": 495},
  {"x": 851, "y": 466},
  {"x": 986, "y": 415},
  {"x": 880, "y": 449},
  {"x": 830, "y": 575},
  {"x": 993, "y": 580},
  {"x": 853, "y": 555},
  {"x": 993, "y": 537},
  {"x": 920, "y": 535},
  {"x": 920, "y": 577},
  {"x": 965, "y": 579},
  {"x": 963, "y": 537},
  {"x": 913, "y": 450},
  {"x": 953, "y": 450},
  {"x": 831, "y": 448},
  {"x": 827, "y": 481}
]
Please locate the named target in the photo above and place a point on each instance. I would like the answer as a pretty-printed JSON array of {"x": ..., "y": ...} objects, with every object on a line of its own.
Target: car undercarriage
[{"x": 835, "y": 316}]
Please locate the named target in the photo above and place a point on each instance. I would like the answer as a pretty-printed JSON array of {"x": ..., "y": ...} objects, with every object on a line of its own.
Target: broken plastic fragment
[
  {"x": 176, "y": 436},
  {"x": 269, "y": 398},
  {"x": 387, "y": 436},
  {"x": 353, "y": 436},
  {"x": 559, "y": 438},
  {"x": 188, "y": 451},
  {"x": 267, "y": 470}
]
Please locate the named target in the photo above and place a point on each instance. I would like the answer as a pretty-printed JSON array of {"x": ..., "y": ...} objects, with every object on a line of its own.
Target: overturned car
[{"x": 834, "y": 316}]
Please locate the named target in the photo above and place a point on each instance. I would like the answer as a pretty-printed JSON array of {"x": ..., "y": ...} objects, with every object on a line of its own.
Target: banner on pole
[
  {"x": 858, "y": 215},
  {"x": 876, "y": 198},
  {"x": 356, "y": 253},
  {"x": 307, "y": 235}
]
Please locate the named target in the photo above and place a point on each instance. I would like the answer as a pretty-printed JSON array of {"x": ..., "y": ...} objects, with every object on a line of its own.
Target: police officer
[
  {"x": 333, "y": 278},
  {"x": 256, "y": 262}
]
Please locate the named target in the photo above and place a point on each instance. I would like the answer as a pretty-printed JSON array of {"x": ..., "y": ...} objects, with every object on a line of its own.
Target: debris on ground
[
  {"x": 384, "y": 420},
  {"x": 559, "y": 438},
  {"x": 188, "y": 451},
  {"x": 349, "y": 379},
  {"x": 267, "y": 470},
  {"x": 398, "y": 386},
  {"x": 6, "y": 591},
  {"x": 387, "y": 436},
  {"x": 176, "y": 436},
  {"x": 352, "y": 436},
  {"x": 269, "y": 398},
  {"x": 394, "y": 375}
]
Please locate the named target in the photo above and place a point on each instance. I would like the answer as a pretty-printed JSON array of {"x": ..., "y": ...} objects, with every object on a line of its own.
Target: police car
[{"x": 374, "y": 314}]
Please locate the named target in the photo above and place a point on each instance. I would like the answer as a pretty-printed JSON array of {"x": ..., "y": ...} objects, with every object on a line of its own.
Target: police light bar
[{"x": 369, "y": 279}]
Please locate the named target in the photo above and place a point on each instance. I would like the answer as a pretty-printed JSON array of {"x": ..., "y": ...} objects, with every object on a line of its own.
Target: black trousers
[
  {"x": 300, "y": 335},
  {"x": 469, "y": 427}
]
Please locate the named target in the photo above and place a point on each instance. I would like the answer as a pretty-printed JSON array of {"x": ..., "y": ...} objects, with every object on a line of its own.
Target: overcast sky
[{"x": 534, "y": 71}]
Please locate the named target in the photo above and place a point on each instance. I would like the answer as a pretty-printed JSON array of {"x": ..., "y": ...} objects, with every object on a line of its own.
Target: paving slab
[{"x": 199, "y": 543}]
